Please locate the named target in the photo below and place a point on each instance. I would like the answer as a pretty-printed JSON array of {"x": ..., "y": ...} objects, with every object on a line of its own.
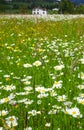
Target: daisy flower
[
  {"x": 37, "y": 63},
  {"x": 12, "y": 121}
]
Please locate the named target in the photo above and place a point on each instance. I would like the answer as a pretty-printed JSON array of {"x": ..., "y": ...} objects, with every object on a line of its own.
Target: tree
[
  {"x": 2, "y": 1},
  {"x": 66, "y": 6},
  {"x": 79, "y": 9},
  {"x": 2, "y": 5},
  {"x": 23, "y": 8}
]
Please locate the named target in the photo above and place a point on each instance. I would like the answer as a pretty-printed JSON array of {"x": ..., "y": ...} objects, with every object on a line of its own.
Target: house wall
[{"x": 39, "y": 11}]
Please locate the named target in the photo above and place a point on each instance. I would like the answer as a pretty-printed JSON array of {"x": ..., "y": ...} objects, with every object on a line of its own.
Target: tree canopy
[{"x": 23, "y": 6}]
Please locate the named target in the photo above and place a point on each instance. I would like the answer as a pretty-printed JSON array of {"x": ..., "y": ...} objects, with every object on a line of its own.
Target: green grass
[{"x": 48, "y": 92}]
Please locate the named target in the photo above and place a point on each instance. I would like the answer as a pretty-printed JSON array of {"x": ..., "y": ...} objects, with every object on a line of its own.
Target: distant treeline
[{"x": 26, "y": 6}]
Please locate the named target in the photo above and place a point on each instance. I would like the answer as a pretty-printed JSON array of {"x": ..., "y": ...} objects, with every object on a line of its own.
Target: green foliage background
[{"x": 25, "y": 6}]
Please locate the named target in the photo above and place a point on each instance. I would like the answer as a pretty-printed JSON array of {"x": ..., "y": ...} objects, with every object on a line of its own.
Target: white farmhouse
[{"x": 39, "y": 11}]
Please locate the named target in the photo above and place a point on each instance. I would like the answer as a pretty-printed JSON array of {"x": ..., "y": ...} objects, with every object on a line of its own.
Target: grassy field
[{"x": 41, "y": 74}]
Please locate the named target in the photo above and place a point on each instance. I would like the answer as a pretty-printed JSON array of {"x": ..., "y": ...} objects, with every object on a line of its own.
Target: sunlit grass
[{"x": 41, "y": 74}]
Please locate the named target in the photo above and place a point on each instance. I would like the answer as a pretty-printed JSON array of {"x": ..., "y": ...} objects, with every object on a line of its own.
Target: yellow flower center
[
  {"x": 56, "y": 83},
  {"x": 11, "y": 119},
  {"x": 3, "y": 113},
  {"x": 82, "y": 102},
  {"x": 7, "y": 78},
  {"x": 6, "y": 99},
  {"x": 61, "y": 99},
  {"x": 74, "y": 112}
]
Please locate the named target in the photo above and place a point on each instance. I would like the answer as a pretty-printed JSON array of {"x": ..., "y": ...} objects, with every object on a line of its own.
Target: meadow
[{"x": 41, "y": 74}]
